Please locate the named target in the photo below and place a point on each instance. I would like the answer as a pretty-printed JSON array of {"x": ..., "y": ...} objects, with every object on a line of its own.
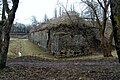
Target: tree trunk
[
  {"x": 106, "y": 47},
  {"x": 3, "y": 51},
  {"x": 110, "y": 46},
  {"x": 1, "y": 54},
  {"x": 106, "y": 44},
  {"x": 5, "y": 27},
  {"x": 115, "y": 18},
  {"x": 4, "y": 43}
]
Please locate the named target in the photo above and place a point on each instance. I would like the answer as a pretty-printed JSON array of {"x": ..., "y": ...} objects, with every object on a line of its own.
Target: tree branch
[
  {"x": 101, "y": 4},
  {"x": 15, "y": 5},
  {"x": 107, "y": 5},
  {"x": 5, "y": 3},
  {"x": 66, "y": 12},
  {"x": 88, "y": 3},
  {"x": 3, "y": 13}
]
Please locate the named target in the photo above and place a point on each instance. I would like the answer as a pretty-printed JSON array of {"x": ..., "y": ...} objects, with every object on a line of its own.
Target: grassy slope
[
  {"x": 30, "y": 49},
  {"x": 27, "y": 49}
]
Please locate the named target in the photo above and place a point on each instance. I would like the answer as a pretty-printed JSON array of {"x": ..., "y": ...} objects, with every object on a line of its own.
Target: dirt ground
[
  {"x": 47, "y": 67},
  {"x": 34, "y": 68}
]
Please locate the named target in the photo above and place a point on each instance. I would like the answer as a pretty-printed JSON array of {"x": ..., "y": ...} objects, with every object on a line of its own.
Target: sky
[{"x": 39, "y": 8}]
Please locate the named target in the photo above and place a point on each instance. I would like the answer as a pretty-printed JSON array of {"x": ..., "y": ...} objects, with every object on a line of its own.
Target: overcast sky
[{"x": 39, "y": 8}]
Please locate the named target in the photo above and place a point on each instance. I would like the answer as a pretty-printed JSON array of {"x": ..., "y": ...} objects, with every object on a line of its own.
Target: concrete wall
[
  {"x": 60, "y": 39},
  {"x": 40, "y": 38}
]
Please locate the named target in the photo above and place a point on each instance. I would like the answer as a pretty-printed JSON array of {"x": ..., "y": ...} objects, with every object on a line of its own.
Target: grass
[
  {"x": 12, "y": 48},
  {"x": 90, "y": 57},
  {"x": 29, "y": 49}
]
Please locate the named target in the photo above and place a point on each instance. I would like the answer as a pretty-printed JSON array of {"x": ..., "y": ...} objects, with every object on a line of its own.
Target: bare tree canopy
[{"x": 106, "y": 44}]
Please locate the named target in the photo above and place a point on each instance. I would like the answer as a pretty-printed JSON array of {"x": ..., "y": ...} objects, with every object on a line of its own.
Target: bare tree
[
  {"x": 65, "y": 8},
  {"x": 34, "y": 20},
  {"x": 55, "y": 12},
  {"x": 60, "y": 11},
  {"x": 45, "y": 18},
  {"x": 115, "y": 18},
  {"x": 72, "y": 7},
  {"x": 5, "y": 27},
  {"x": 106, "y": 44}
]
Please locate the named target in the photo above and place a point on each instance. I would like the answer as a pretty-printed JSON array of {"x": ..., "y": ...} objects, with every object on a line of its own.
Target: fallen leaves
[{"x": 31, "y": 68}]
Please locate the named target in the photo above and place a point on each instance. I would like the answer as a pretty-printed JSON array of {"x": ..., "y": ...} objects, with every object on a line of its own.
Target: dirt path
[
  {"x": 65, "y": 63},
  {"x": 38, "y": 69}
]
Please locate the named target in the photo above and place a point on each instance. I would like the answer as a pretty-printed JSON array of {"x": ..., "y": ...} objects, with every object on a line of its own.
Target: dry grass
[
  {"x": 12, "y": 47},
  {"x": 30, "y": 49},
  {"x": 27, "y": 49},
  {"x": 90, "y": 57}
]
